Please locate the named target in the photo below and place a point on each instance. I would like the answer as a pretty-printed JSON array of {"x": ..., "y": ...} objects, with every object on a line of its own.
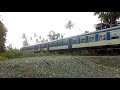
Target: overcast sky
[{"x": 42, "y": 22}]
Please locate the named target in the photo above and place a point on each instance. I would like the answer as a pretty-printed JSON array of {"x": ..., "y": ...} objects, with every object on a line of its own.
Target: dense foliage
[
  {"x": 15, "y": 53},
  {"x": 108, "y": 18},
  {"x": 3, "y": 31}
]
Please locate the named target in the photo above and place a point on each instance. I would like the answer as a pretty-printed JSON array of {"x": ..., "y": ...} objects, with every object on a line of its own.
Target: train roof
[{"x": 103, "y": 30}]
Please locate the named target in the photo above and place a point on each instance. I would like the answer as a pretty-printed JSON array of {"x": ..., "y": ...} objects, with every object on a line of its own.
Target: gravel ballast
[{"x": 59, "y": 67}]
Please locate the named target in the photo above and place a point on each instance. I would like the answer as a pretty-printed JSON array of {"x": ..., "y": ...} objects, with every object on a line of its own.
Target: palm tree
[
  {"x": 51, "y": 35},
  {"x": 108, "y": 17},
  {"x": 37, "y": 41},
  {"x": 57, "y": 36},
  {"x": 24, "y": 36},
  {"x": 69, "y": 25},
  {"x": 35, "y": 35},
  {"x": 31, "y": 38},
  {"x": 25, "y": 43},
  {"x": 43, "y": 40},
  {"x": 113, "y": 16},
  {"x": 39, "y": 37},
  {"x": 86, "y": 31}
]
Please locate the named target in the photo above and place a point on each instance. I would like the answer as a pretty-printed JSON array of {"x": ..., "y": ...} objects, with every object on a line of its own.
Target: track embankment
[{"x": 61, "y": 67}]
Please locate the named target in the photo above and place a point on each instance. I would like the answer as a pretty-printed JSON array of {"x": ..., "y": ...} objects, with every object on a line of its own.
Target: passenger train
[{"x": 101, "y": 41}]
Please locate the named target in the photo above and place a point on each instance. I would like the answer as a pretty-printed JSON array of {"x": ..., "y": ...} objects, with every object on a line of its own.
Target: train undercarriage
[{"x": 93, "y": 51}]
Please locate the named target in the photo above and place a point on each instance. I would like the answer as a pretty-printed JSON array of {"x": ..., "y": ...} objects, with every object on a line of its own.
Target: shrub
[{"x": 3, "y": 58}]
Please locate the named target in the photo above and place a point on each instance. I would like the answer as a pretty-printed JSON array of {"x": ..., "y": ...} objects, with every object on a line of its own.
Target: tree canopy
[
  {"x": 69, "y": 25},
  {"x": 3, "y": 31},
  {"x": 25, "y": 42},
  {"x": 108, "y": 17},
  {"x": 52, "y": 35}
]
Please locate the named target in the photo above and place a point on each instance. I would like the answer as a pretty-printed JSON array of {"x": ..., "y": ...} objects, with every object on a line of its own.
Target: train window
[
  {"x": 74, "y": 41},
  {"x": 65, "y": 42},
  {"x": 51, "y": 44},
  {"x": 115, "y": 34},
  {"x": 82, "y": 39},
  {"x": 55, "y": 43},
  {"x": 102, "y": 36},
  {"x": 91, "y": 38},
  {"x": 60, "y": 43},
  {"x": 45, "y": 45},
  {"x": 42, "y": 45}
]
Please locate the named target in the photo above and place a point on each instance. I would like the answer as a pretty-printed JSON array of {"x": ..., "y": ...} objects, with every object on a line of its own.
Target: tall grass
[
  {"x": 18, "y": 54},
  {"x": 11, "y": 54},
  {"x": 2, "y": 58}
]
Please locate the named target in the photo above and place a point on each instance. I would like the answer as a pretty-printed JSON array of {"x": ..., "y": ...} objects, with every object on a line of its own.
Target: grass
[
  {"x": 17, "y": 54},
  {"x": 11, "y": 54},
  {"x": 110, "y": 61},
  {"x": 2, "y": 58}
]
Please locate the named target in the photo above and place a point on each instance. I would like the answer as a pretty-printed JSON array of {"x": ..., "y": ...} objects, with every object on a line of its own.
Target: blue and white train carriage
[
  {"x": 110, "y": 36},
  {"x": 106, "y": 38}
]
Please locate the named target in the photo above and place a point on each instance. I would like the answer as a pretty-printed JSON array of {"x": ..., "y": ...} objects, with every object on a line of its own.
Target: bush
[
  {"x": 11, "y": 54},
  {"x": 3, "y": 58},
  {"x": 56, "y": 53}
]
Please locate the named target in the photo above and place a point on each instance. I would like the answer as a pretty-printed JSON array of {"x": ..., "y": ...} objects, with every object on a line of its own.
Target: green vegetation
[
  {"x": 109, "y": 18},
  {"x": 14, "y": 53},
  {"x": 3, "y": 31},
  {"x": 2, "y": 58},
  {"x": 53, "y": 35},
  {"x": 111, "y": 61},
  {"x": 11, "y": 54}
]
